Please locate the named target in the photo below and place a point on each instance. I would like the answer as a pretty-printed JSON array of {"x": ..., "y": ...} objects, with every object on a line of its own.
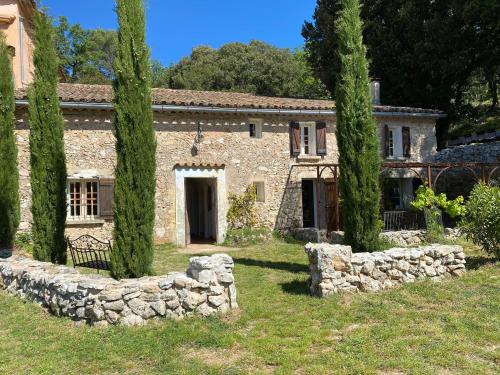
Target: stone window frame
[
  {"x": 260, "y": 189},
  {"x": 255, "y": 128},
  {"x": 83, "y": 205},
  {"x": 311, "y": 139}
]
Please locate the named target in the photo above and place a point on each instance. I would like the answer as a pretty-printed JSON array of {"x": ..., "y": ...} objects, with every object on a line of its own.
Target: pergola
[{"x": 428, "y": 173}]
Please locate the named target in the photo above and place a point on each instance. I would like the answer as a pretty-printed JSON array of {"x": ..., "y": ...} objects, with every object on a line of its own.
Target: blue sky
[{"x": 174, "y": 27}]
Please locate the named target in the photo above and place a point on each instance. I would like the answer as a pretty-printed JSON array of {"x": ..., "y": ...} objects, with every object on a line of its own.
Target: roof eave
[{"x": 204, "y": 109}]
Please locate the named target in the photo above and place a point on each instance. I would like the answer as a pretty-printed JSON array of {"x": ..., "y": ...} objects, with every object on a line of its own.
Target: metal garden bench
[{"x": 88, "y": 252}]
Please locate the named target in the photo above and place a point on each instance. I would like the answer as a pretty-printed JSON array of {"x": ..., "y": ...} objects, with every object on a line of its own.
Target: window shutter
[
  {"x": 106, "y": 189},
  {"x": 321, "y": 138},
  {"x": 406, "y": 142},
  {"x": 295, "y": 138},
  {"x": 386, "y": 140}
]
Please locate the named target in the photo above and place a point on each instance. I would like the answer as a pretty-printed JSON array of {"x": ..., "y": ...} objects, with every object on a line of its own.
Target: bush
[
  {"x": 432, "y": 206},
  {"x": 24, "y": 241},
  {"x": 241, "y": 213},
  {"x": 481, "y": 223}
]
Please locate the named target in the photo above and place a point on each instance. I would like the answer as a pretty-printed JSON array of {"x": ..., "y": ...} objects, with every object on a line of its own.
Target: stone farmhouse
[{"x": 211, "y": 144}]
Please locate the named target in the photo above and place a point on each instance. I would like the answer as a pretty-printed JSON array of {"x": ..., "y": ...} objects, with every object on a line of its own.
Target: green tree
[
  {"x": 424, "y": 51},
  {"x": 359, "y": 158},
  {"x": 9, "y": 174},
  {"x": 159, "y": 74},
  {"x": 85, "y": 55},
  {"x": 257, "y": 68},
  {"x": 134, "y": 198},
  {"x": 48, "y": 161}
]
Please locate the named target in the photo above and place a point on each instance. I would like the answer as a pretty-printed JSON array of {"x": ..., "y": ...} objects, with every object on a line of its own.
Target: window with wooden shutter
[
  {"x": 321, "y": 138},
  {"x": 406, "y": 142},
  {"x": 295, "y": 138},
  {"x": 386, "y": 141},
  {"x": 83, "y": 199},
  {"x": 106, "y": 189}
]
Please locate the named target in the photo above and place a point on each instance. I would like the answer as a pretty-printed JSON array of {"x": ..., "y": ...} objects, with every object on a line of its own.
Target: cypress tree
[
  {"x": 48, "y": 161},
  {"x": 9, "y": 174},
  {"x": 357, "y": 135},
  {"x": 134, "y": 197}
]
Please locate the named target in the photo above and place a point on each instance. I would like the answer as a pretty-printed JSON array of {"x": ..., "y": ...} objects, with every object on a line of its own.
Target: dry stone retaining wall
[
  {"x": 206, "y": 288},
  {"x": 401, "y": 237},
  {"x": 335, "y": 269}
]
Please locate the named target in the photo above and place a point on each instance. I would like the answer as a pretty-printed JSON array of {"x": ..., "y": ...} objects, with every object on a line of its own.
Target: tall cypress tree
[
  {"x": 9, "y": 174},
  {"x": 134, "y": 197},
  {"x": 48, "y": 161},
  {"x": 357, "y": 135}
]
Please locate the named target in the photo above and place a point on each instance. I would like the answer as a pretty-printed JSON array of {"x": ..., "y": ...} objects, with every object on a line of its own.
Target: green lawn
[{"x": 423, "y": 328}]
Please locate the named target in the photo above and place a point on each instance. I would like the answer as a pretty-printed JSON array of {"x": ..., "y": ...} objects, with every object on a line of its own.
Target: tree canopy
[
  {"x": 85, "y": 55},
  {"x": 256, "y": 67},
  {"x": 426, "y": 52}
]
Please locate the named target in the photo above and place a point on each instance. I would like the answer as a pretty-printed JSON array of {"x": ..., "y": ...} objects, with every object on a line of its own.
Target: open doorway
[
  {"x": 308, "y": 204},
  {"x": 201, "y": 210}
]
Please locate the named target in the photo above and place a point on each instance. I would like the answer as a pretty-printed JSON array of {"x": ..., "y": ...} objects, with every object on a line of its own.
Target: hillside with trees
[{"x": 434, "y": 54}]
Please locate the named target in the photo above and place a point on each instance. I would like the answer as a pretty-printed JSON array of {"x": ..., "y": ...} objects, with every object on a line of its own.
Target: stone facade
[
  {"x": 473, "y": 153},
  {"x": 206, "y": 288},
  {"x": 335, "y": 269},
  {"x": 90, "y": 146}
]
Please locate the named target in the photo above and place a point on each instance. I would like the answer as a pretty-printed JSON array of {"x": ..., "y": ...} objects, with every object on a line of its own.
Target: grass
[{"x": 442, "y": 328}]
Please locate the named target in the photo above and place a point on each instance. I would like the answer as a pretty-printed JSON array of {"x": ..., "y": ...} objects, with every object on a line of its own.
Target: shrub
[
  {"x": 241, "y": 213},
  {"x": 24, "y": 241},
  {"x": 481, "y": 223},
  {"x": 432, "y": 206}
]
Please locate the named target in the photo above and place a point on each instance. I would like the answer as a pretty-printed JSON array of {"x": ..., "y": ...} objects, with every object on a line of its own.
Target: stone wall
[
  {"x": 335, "y": 269},
  {"x": 461, "y": 181},
  {"x": 473, "y": 153},
  {"x": 206, "y": 288},
  {"x": 400, "y": 238},
  {"x": 90, "y": 145}
]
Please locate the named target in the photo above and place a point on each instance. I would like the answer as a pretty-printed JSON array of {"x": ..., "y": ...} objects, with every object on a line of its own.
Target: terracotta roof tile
[{"x": 82, "y": 93}]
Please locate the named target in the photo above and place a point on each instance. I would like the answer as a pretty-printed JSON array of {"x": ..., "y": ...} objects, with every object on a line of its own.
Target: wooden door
[{"x": 332, "y": 204}]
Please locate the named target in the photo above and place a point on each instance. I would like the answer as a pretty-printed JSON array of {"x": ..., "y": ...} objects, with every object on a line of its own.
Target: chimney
[{"x": 375, "y": 91}]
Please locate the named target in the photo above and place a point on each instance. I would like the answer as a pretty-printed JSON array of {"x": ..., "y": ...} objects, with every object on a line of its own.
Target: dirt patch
[
  {"x": 235, "y": 356},
  {"x": 214, "y": 357},
  {"x": 196, "y": 249}
]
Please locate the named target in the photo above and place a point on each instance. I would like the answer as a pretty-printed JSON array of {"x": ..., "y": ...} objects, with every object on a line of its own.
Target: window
[
  {"x": 308, "y": 138},
  {"x": 260, "y": 191},
  {"x": 394, "y": 142},
  {"x": 83, "y": 199},
  {"x": 391, "y": 143},
  {"x": 255, "y": 128}
]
